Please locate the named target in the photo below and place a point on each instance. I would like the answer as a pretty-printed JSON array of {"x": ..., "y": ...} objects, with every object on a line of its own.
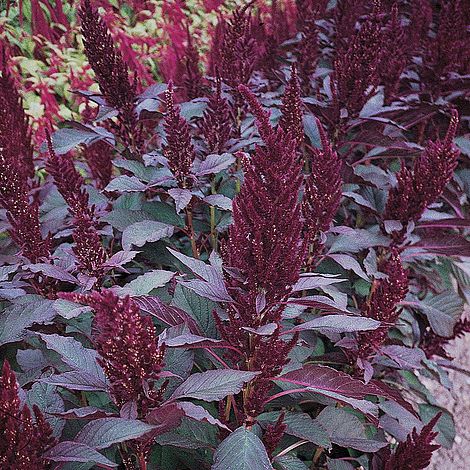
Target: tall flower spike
[
  {"x": 308, "y": 11},
  {"x": 416, "y": 452},
  {"x": 216, "y": 124},
  {"x": 179, "y": 149},
  {"x": 15, "y": 133},
  {"x": 88, "y": 248},
  {"x": 191, "y": 78},
  {"x": 394, "y": 55},
  {"x": 16, "y": 168},
  {"x": 322, "y": 192},
  {"x": 127, "y": 344},
  {"x": 111, "y": 72},
  {"x": 418, "y": 188},
  {"x": 236, "y": 50},
  {"x": 23, "y": 442},
  {"x": 99, "y": 158},
  {"x": 382, "y": 303},
  {"x": 292, "y": 108},
  {"x": 355, "y": 67},
  {"x": 265, "y": 247}
]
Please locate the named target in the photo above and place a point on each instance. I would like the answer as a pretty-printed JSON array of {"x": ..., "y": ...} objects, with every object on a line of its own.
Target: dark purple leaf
[
  {"x": 333, "y": 384},
  {"x": 148, "y": 231},
  {"x": 74, "y": 354},
  {"x": 316, "y": 281},
  {"x": 199, "y": 413},
  {"x": 105, "y": 432},
  {"x": 165, "y": 418},
  {"x": 213, "y": 164},
  {"x": 68, "y": 451},
  {"x": 241, "y": 450},
  {"x": 23, "y": 313},
  {"x": 339, "y": 324},
  {"x": 126, "y": 184},
  {"x": 86, "y": 412},
  {"x": 346, "y": 430},
  {"x": 220, "y": 201},
  {"x": 170, "y": 315},
  {"x": 216, "y": 292},
  {"x": 77, "y": 380},
  {"x": 213, "y": 385},
  {"x": 52, "y": 271},
  {"x": 405, "y": 358},
  {"x": 182, "y": 197}
]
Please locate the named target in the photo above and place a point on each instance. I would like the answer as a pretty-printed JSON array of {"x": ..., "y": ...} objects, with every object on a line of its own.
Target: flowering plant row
[{"x": 257, "y": 264}]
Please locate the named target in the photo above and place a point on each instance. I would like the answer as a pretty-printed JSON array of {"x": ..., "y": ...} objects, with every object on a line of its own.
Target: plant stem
[{"x": 190, "y": 228}]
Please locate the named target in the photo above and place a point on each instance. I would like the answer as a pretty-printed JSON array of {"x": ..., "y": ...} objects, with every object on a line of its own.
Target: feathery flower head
[
  {"x": 236, "y": 49},
  {"x": 393, "y": 57},
  {"x": 23, "y": 442},
  {"x": 292, "y": 108},
  {"x": 265, "y": 238},
  {"x": 355, "y": 67},
  {"x": 418, "y": 188},
  {"x": 88, "y": 249},
  {"x": 179, "y": 149},
  {"x": 99, "y": 158},
  {"x": 216, "y": 124},
  {"x": 322, "y": 191},
  {"x": 111, "y": 73},
  {"x": 15, "y": 132},
  {"x": 127, "y": 344},
  {"x": 16, "y": 169},
  {"x": 382, "y": 303},
  {"x": 107, "y": 63},
  {"x": 416, "y": 452}
]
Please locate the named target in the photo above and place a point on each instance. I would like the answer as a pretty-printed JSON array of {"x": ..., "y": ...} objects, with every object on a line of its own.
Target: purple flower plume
[
  {"x": 266, "y": 250},
  {"x": 382, "y": 304},
  {"x": 23, "y": 441},
  {"x": 292, "y": 108},
  {"x": 421, "y": 186},
  {"x": 416, "y": 452},
  {"x": 127, "y": 344},
  {"x": 16, "y": 170},
  {"x": 179, "y": 149},
  {"x": 111, "y": 73},
  {"x": 88, "y": 249}
]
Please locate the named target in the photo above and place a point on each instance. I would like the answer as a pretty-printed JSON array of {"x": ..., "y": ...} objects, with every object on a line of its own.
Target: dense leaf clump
[{"x": 246, "y": 251}]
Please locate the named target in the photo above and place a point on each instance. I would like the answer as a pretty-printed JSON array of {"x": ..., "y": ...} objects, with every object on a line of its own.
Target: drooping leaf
[
  {"x": 347, "y": 430},
  {"x": 140, "y": 233},
  {"x": 145, "y": 283},
  {"x": 213, "y": 164},
  {"x": 168, "y": 314},
  {"x": 199, "y": 413},
  {"x": 74, "y": 354},
  {"x": 333, "y": 384},
  {"x": 23, "y": 313},
  {"x": 69, "y": 451},
  {"x": 125, "y": 183},
  {"x": 442, "y": 311},
  {"x": 339, "y": 324},
  {"x": 103, "y": 432},
  {"x": 213, "y": 384},
  {"x": 241, "y": 450}
]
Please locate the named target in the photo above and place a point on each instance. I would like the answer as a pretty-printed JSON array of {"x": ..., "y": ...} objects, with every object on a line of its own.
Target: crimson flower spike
[
  {"x": 127, "y": 345},
  {"x": 111, "y": 72},
  {"x": 16, "y": 169},
  {"x": 393, "y": 59},
  {"x": 322, "y": 192},
  {"x": 216, "y": 124},
  {"x": 88, "y": 249},
  {"x": 421, "y": 186},
  {"x": 382, "y": 303},
  {"x": 416, "y": 452},
  {"x": 23, "y": 442},
  {"x": 292, "y": 108},
  {"x": 265, "y": 246},
  {"x": 356, "y": 66},
  {"x": 179, "y": 149}
]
